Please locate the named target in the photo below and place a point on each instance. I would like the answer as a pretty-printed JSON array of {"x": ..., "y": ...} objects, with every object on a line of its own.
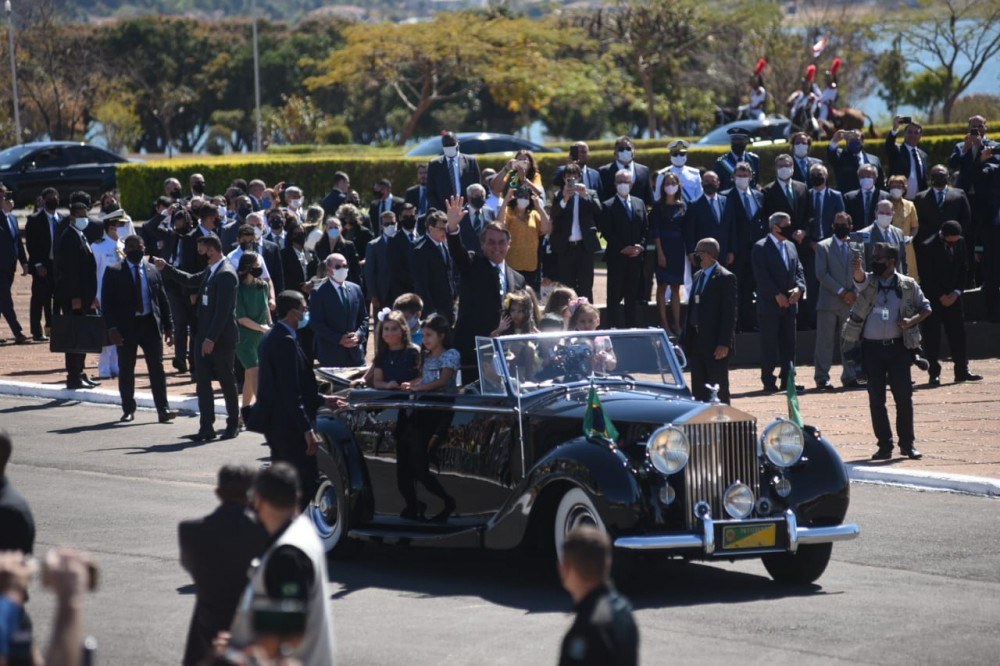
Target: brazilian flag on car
[{"x": 594, "y": 421}]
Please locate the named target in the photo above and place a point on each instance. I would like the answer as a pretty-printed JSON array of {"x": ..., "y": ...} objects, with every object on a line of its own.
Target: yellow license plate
[{"x": 759, "y": 535}]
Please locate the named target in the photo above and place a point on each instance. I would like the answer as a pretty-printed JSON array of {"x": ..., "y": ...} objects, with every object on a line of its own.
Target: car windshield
[
  {"x": 534, "y": 362},
  {"x": 10, "y": 156}
]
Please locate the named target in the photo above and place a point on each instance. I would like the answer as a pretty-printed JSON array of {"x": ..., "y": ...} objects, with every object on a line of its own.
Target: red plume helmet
[
  {"x": 837, "y": 64},
  {"x": 811, "y": 73},
  {"x": 759, "y": 69}
]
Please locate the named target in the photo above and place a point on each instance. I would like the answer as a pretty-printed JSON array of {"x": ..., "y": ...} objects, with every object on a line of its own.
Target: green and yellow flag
[
  {"x": 594, "y": 421},
  {"x": 794, "y": 415}
]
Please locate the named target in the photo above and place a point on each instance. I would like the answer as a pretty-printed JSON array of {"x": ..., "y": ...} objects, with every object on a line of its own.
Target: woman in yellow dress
[
  {"x": 523, "y": 213},
  {"x": 904, "y": 216}
]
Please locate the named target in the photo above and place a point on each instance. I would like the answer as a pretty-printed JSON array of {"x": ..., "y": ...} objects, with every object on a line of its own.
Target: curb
[{"x": 98, "y": 396}]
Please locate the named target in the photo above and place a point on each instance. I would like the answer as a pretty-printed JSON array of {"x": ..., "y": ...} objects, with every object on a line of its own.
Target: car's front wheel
[
  {"x": 801, "y": 567},
  {"x": 575, "y": 509},
  {"x": 329, "y": 511}
]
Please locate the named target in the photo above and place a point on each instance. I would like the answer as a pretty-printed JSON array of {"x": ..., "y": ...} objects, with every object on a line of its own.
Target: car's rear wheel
[
  {"x": 801, "y": 567},
  {"x": 329, "y": 512},
  {"x": 574, "y": 510}
]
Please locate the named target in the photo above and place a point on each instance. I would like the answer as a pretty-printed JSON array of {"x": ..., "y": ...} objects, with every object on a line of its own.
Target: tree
[
  {"x": 890, "y": 68},
  {"x": 118, "y": 121},
  {"x": 953, "y": 43},
  {"x": 926, "y": 91}
]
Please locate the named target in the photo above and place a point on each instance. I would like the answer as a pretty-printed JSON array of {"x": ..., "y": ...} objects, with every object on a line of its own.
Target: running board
[{"x": 414, "y": 536}]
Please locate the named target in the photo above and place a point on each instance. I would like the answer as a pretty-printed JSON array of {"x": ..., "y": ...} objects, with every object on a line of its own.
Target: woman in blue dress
[{"x": 667, "y": 229}]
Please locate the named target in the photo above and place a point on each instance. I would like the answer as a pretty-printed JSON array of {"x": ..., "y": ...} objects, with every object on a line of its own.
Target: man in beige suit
[{"x": 836, "y": 296}]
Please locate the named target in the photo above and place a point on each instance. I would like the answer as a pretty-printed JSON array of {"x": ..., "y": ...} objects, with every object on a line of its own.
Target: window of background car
[
  {"x": 49, "y": 158},
  {"x": 9, "y": 157}
]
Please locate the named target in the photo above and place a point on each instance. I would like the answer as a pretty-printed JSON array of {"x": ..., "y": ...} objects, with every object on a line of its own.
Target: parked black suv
[{"x": 65, "y": 165}]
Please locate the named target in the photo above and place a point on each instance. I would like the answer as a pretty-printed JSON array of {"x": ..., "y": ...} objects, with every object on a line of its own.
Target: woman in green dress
[{"x": 254, "y": 318}]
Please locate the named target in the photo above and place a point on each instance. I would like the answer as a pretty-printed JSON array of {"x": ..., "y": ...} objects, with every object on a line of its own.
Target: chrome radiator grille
[{"x": 721, "y": 454}]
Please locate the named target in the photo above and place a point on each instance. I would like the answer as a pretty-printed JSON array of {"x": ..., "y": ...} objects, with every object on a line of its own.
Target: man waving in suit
[
  {"x": 710, "y": 323},
  {"x": 907, "y": 159}
]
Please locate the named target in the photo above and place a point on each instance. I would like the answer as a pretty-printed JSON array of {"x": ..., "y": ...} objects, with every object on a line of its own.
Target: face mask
[
  {"x": 176, "y": 194},
  {"x": 883, "y": 221},
  {"x": 304, "y": 321},
  {"x": 523, "y": 203},
  {"x": 51, "y": 205},
  {"x": 256, "y": 271},
  {"x": 198, "y": 188},
  {"x": 801, "y": 150},
  {"x": 266, "y": 203},
  {"x": 710, "y": 188},
  {"x": 412, "y": 322},
  {"x": 294, "y": 203},
  {"x": 334, "y": 234},
  {"x": 340, "y": 274},
  {"x": 879, "y": 267},
  {"x": 854, "y": 146},
  {"x": 258, "y": 232},
  {"x": 896, "y": 193},
  {"x": 408, "y": 222},
  {"x": 939, "y": 179},
  {"x": 477, "y": 202},
  {"x": 624, "y": 189},
  {"x": 81, "y": 223},
  {"x": 867, "y": 183},
  {"x": 785, "y": 173},
  {"x": 625, "y": 156},
  {"x": 741, "y": 183},
  {"x": 223, "y": 212},
  {"x": 276, "y": 225},
  {"x": 182, "y": 230},
  {"x": 389, "y": 230},
  {"x": 450, "y": 151},
  {"x": 841, "y": 231},
  {"x": 671, "y": 189},
  {"x": 784, "y": 232},
  {"x": 135, "y": 256},
  {"x": 817, "y": 180},
  {"x": 678, "y": 160},
  {"x": 298, "y": 239}
]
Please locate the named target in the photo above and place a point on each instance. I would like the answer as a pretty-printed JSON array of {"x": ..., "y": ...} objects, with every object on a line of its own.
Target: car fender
[
  {"x": 821, "y": 488},
  {"x": 338, "y": 448}
]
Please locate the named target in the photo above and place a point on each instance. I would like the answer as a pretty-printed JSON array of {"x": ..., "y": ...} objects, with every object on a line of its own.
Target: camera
[
  {"x": 973, "y": 132},
  {"x": 571, "y": 183}
]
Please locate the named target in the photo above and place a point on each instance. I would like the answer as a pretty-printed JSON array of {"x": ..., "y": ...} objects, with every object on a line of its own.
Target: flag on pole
[
  {"x": 794, "y": 415},
  {"x": 819, "y": 46},
  {"x": 594, "y": 422}
]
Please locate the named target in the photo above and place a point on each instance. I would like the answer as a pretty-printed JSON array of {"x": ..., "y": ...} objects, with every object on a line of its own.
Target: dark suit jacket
[
  {"x": 776, "y": 201},
  {"x": 746, "y": 230},
  {"x": 118, "y": 298},
  {"x": 775, "y": 276},
  {"x": 76, "y": 270},
  {"x": 642, "y": 185},
  {"x": 332, "y": 201},
  {"x": 900, "y": 159},
  {"x": 288, "y": 396},
  {"x": 18, "y": 531},
  {"x": 344, "y": 247},
  {"x": 803, "y": 175},
  {"x": 845, "y": 168},
  {"x": 271, "y": 254},
  {"x": 400, "y": 255},
  {"x": 967, "y": 165},
  {"x": 702, "y": 223},
  {"x": 591, "y": 178},
  {"x": 716, "y": 311},
  {"x": 412, "y": 196},
  {"x": 930, "y": 217},
  {"x": 562, "y": 223},
  {"x": 228, "y": 235},
  {"x": 330, "y": 321},
  {"x": 479, "y": 296},
  {"x": 619, "y": 230},
  {"x": 470, "y": 235},
  {"x": 724, "y": 166},
  {"x": 11, "y": 247},
  {"x": 941, "y": 271},
  {"x": 833, "y": 203},
  {"x": 217, "y": 550},
  {"x": 378, "y": 271},
  {"x": 439, "y": 182},
  {"x": 216, "y": 302},
  {"x": 855, "y": 207},
  {"x": 292, "y": 270},
  {"x": 433, "y": 279},
  {"x": 155, "y": 236},
  {"x": 375, "y": 205},
  {"x": 39, "y": 241},
  {"x": 990, "y": 197}
]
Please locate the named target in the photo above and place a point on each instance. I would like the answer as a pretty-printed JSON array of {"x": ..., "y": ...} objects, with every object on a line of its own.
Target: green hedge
[{"x": 141, "y": 183}]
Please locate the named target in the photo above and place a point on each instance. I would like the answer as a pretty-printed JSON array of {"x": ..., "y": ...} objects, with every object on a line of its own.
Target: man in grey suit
[
  {"x": 836, "y": 296},
  {"x": 215, "y": 341},
  {"x": 882, "y": 231}
]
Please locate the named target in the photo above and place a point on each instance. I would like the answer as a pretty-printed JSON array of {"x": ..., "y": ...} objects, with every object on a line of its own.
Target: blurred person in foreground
[
  {"x": 17, "y": 525},
  {"x": 604, "y": 632}
]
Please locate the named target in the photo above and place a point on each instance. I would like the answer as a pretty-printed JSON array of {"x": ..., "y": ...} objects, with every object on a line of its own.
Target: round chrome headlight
[
  {"x": 783, "y": 443},
  {"x": 668, "y": 450},
  {"x": 738, "y": 500}
]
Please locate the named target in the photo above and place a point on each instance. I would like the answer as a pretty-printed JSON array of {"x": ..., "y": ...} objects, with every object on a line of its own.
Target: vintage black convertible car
[{"x": 683, "y": 479}]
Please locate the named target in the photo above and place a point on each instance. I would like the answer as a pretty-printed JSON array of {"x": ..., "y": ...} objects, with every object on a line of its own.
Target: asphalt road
[{"x": 921, "y": 585}]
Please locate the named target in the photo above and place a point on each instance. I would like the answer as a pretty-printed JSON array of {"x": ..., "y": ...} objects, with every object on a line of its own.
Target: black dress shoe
[
  {"x": 882, "y": 454},
  {"x": 800, "y": 388},
  {"x": 442, "y": 515},
  {"x": 855, "y": 383},
  {"x": 231, "y": 432},
  {"x": 41, "y": 337},
  {"x": 204, "y": 436},
  {"x": 180, "y": 366},
  {"x": 922, "y": 363},
  {"x": 21, "y": 339},
  {"x": 825, "y": 386},
  {"x": 127, "y": 417},
  {"x": 911, "y": 453},
  {"x": 771, "y": 388},
  {"x": 967, "y": 377},
  {"x": 935, "y": 380},
  {"x": 88, "y": 382},
  {"x": 75, "y": 385},
  {"x": 167, "y": 416}
]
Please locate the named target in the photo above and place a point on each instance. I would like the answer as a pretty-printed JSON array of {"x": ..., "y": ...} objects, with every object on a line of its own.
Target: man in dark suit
[
  {"x": 76, "y": 285},
  {"x": 450, "y": 174},
  {"x": 137, "y": 315},
  {"x": 780, "y": 284},
  {"x": 625, "y": 228},
  {"x": 339, "y": 317},
  {"x": 579, "y": 152},
  {"x": 434, "y": 268},
  {"x": 967, "y": 157},
  {"x": 338, "y": 194},
  {"x": 824, "y": 204},
  {"x": 298, "y": 263},
  {"x": 378, "y": 269},
  {"x": 989, "y": 236},
  {"x": 416, "y": 195},
  {"x": 384, "y": 201},
  {"x": 11, "y": 255},
  {"x": 943, "y": 278},
  {"x": 934, "y": 206},
  {"x": 785, "y": 194},
  {"x": 215, "y": 341},
  {"x": 485, "y": 281},
  {"x": 845, "y": 163},
  {"x": 710, "y": 323},
  {"x": 802, "y": 162},
  {"x": 574, "y": 233},
  {"x": 40, "y": 238},
  {"x": 907, "y": 159},
  {"x": 642, "y": 185},
  {"x": 181, "y": 252},
  {"x": 288, "y": 397},
  {"x": 400, "y": 251},
  {"x": 725, "y": 166},
  {"x": 860, "y": 203},
  {"x": 155, "y": 231},
  {"x": 744, "y": 214},
  {"x": 706, "y": 219},
  {"x": 477, "y": 216},
  {"x": 217, "y": 551}
]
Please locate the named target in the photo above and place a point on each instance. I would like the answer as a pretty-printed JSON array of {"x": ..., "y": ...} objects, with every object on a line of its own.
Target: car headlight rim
[
  {"x": 739, "y": 500},
  {"x": 783, "y": 443},
  {"x": 668, "y": 450}
]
